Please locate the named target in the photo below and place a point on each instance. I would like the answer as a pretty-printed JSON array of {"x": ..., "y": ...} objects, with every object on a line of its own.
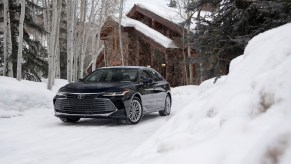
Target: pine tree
[
  {"x": 223, "y": 35},
  {"x": 33, "y": 52}
]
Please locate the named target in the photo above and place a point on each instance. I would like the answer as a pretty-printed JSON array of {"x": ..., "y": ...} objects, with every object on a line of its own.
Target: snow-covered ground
[
  {"x": 243, "y": 118},
  {"x": 36, "y": 136},
  {"x": 20, "y": 96}
]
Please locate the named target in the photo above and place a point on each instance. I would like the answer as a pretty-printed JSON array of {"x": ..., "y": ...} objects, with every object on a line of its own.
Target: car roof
[{"x": 135, "y": 67}]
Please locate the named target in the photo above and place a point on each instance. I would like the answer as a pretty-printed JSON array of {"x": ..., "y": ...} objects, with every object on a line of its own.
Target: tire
[
  {"x": 135, "y": 111},
  {"x": 167, "y": 109},
  {"x": 70, "y": 120}
]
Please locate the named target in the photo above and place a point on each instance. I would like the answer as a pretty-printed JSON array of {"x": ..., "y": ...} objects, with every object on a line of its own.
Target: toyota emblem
[{"x": 81, "y": 96}]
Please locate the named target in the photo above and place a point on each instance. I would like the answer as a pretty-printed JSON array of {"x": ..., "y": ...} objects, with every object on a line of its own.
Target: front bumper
[{"x": 90, "y": 106}]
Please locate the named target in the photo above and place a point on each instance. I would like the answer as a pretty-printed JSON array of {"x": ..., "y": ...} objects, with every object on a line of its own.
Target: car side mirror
[{"x": 79, "y": 80}]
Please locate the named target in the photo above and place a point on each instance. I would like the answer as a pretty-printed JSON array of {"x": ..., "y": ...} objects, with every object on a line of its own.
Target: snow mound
[
  {"x": 243, "y": 118},
  {"x": 17, "y": 96}
]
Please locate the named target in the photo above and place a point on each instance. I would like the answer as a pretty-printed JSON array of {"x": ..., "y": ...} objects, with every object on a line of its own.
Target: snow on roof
[
  {"x": 161, "y": 8},
  {"x": 149, "y": 32}
]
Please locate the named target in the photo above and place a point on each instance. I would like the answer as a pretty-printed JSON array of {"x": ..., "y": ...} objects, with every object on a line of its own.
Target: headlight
[
  {"x": 61, "y": 93},
  {"x": 116, "y": 93}
]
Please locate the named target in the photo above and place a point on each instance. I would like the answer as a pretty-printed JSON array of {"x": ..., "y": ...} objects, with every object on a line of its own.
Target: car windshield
[{"x": 113, "y": 75}]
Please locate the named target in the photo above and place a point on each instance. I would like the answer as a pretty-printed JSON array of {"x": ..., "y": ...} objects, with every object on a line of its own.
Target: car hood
[{"x": 94, "y": 87}]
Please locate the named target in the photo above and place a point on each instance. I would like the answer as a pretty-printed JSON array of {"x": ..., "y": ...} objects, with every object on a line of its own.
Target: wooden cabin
[{"x": 148, "y": 40}]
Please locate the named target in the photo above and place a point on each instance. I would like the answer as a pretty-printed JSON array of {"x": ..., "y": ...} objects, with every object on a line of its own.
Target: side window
[
  {"x": 145, "y": 74},
  {"x": 151, "y": 74},
  {"x": 157, "y": 76}
]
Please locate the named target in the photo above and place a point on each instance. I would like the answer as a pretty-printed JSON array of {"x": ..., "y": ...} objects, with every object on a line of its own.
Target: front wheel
[
  {"x": 135, "y": 111},
  {"x": 70, "y": 120},
  {"x": 167, "y": 109}
]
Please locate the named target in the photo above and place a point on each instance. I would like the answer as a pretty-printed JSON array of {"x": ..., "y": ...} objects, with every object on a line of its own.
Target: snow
[
  {"x": 151, "y": 33},
  {"x": 37, "y": 136},
  {"x": 161, "y": 8},
  {"x": 243, "y": 118},
  {"x": 17, "y": 96}
]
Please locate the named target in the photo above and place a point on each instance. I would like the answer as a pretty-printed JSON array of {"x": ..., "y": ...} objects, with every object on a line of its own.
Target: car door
[
  {"x": 159, "y": 89},
  {"x": 147, "y": 91}
]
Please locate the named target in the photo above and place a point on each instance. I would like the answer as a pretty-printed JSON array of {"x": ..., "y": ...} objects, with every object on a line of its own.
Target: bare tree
[
  {"x": 7, "y": 41},
  {"x": 76, "y": 47},
  {"x": 119, "y": 31},
  {"x": 188, "y": 47},
  {"x": 54, "y": 52},
  {"x": 98, "y": 30},
  {"x": 56, "y": 70},
  {"x": 20, "y": 40},
  {"x": 83, "y": 41},
  {"x": 71, "y": 4},
  {"x": 52, "y": 46},
  {"x": 5, "y": 36}
]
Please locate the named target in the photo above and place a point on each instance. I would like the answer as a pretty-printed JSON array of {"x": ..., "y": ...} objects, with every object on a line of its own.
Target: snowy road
[{"x": 39, "y": 137}]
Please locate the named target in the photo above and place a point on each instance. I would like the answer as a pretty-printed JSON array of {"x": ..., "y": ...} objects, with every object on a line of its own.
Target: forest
[{"x": 58, "y": 39}]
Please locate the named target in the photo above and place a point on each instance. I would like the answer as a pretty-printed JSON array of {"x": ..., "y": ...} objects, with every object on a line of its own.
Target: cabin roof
[
  {"x": 171, "y": 21},
  {"x": 149, "y": 32}
]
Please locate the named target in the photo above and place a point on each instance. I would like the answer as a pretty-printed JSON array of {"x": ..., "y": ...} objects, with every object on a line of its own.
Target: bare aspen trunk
[
  {"x": 34, "y": 19},
  {"x": 5, "y": 37},
  {"x": 95, "y": 56},
  {"x": 57, "y": 47},
  {"x": 49, "y": 24},
  {"x": 119, "y": 32},
  {"x": 189, "y": 48},
  {"x": 189, "y": 57},
  {"x": 7, "y": 41},
  {"x": 52, "y": 48},
  {"x": 200, "y": 64},
  {"x": 44, "y": 4},
  {"x": 20, "y": 40},
  {"x": 84, "y": 38},
  {"x": 74, "y": 43},
  {"x": 78, "y": 41},
  {"x": 96, "y": 50},
  {"x": 70, "y": 39}
]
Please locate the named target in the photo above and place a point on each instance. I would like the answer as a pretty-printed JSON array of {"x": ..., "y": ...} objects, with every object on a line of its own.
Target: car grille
[{"x": 84, "y": 104}]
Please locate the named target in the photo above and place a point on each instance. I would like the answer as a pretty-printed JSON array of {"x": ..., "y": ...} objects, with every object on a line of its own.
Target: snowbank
[
  {"x": 17, "y": 96},
  {"x": 243, "y": 118}
]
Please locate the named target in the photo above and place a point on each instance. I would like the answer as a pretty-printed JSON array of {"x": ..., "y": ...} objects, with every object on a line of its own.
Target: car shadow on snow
[{"x": 148, "y": 118}]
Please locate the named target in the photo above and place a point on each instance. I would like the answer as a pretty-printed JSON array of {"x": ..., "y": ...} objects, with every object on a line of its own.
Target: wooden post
[
  {"x": 138, "y": 51},
  {"x": 167, "y": 65}
]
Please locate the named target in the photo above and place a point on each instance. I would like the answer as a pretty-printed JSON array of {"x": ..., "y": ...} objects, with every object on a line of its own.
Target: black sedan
[{"x": 120, "y": 93}]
